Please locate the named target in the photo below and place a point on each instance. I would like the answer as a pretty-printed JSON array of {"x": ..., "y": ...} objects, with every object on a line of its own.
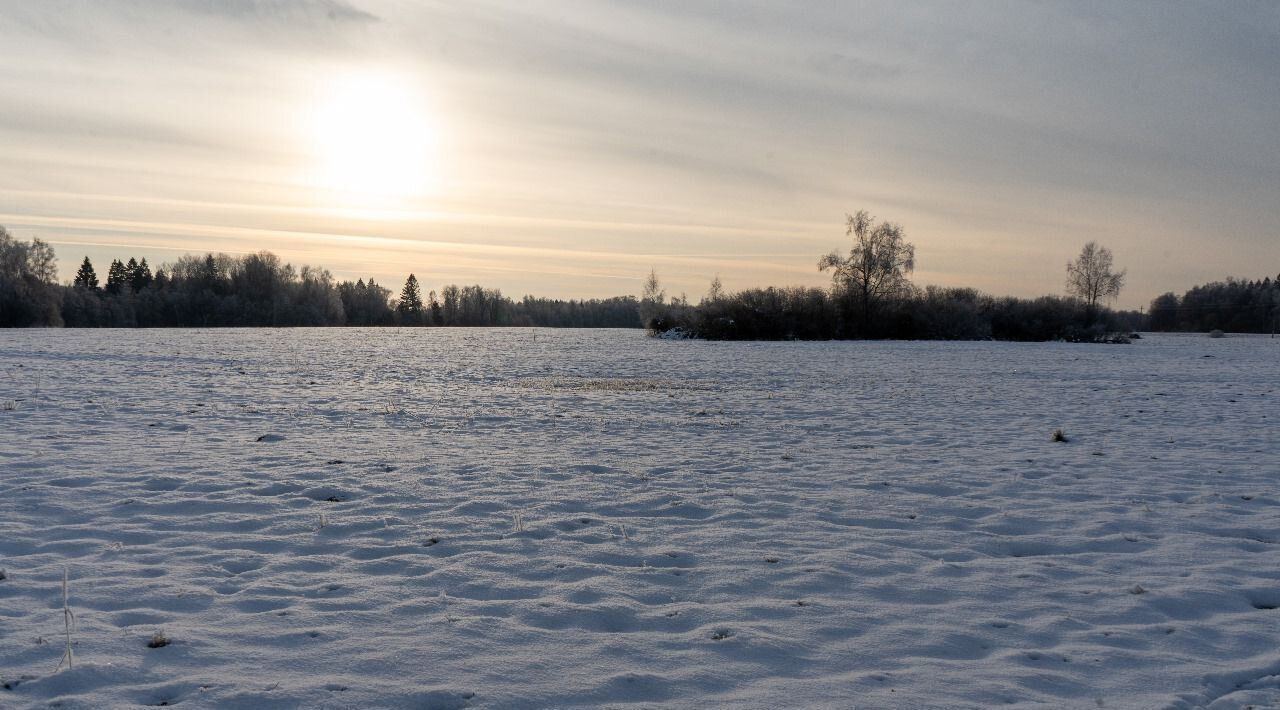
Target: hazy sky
[{"x": 563, "y": 148}]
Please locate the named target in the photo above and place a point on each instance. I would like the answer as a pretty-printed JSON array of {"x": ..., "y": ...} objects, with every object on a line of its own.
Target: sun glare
[{"x": 374, "y": 140}]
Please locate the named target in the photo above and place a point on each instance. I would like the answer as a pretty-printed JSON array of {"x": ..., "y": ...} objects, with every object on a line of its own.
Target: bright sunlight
[{"x": 374, "y": 139}]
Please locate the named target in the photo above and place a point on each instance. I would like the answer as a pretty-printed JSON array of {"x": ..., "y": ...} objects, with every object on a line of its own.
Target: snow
[{"x": 548, "y": 518}]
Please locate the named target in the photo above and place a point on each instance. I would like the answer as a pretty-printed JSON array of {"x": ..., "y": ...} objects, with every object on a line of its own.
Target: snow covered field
[{"x": 532, "y": 518}]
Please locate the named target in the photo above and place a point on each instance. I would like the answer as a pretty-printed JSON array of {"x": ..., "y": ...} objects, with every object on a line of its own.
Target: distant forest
[
  {"x": 258, "y": 290},
  {"x": 870, "y": 297},
  {"x": 1230, "y": 306}
]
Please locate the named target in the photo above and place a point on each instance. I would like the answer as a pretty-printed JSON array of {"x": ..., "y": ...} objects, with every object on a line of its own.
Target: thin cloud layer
[{"x": 617, "y": 135}]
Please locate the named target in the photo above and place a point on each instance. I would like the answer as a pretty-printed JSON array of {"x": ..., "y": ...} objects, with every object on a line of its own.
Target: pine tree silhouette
[
  {"x": 141, "y": 276},
  {"x": 410, "y": 303},
  {"x": 115, "y": 277},
  {"x": 86, "y": 277}
]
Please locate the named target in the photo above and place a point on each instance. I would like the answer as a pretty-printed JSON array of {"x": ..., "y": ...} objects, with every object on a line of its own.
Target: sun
[{"x": 374, "y": 139}]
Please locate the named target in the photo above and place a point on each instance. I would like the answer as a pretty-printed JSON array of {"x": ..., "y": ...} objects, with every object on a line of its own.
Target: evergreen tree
[
  {"x": 207, "y": 273},
  {"x": 115, "y": 277},
  {"x": 86, "y": 277},
  {"x": 131, "y": 273},
  {"x": 141, "y": 276},
  {"x": 410, "y": 303}
]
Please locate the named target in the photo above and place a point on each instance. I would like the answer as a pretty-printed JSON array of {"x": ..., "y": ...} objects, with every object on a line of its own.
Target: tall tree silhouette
[
  {"x": 86, "y": 277},
  {"x": 116, "y": 277},
  {"x": 1090, "y": 277},
  {"x": 875, "y": 271},
  {"x": 141, "y": 276},
  {"x": 410, "y": 304}
]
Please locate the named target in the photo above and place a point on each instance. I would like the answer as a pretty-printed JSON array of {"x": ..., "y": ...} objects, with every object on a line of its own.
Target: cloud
[
  {"x": 49, "y": 15},
  {"x": 1000, "y": 134},
  {"x": 280, "y": 10}
]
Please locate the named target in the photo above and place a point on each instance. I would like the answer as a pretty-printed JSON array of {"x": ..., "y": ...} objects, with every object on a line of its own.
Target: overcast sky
[{"x": 563, "y": 148}]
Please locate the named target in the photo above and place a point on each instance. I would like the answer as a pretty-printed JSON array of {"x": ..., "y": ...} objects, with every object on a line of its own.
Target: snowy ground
[{"x": 521, "y": 518}]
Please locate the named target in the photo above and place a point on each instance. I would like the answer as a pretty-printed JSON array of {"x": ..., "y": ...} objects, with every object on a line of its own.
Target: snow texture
[{"x": 530, "y": 518}]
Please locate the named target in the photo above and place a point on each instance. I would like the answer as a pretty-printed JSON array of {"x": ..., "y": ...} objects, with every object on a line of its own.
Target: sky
[{"x": 564, "y": 148}]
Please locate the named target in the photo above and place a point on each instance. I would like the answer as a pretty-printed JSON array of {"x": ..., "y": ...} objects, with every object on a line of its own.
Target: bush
[{"x": 932, "y": 314}]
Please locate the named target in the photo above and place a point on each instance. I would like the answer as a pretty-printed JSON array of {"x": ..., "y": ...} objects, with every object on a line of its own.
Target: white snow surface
[{"x": 436, "y": 518}]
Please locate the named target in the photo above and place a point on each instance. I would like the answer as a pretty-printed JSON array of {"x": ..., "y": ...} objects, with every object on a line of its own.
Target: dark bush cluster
[{"x": 929, "y": 314}]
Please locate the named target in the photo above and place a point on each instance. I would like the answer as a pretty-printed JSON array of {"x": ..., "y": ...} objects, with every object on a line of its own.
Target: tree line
[
  {"x": 871, "y": 296},
  {"x": 1232, "y": 306},
  {"x": 259, "y": 290}
]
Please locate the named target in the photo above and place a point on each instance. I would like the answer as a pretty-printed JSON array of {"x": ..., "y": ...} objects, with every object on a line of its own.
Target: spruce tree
[
  {"x": 131, "y": 273},
  {"x": 209, "y": 274},
  {"x": 410, "y": 303},
  {"x": 141, "y": 277},
  {"x": 86, "y": 277},
  {"x": 115, "y": 277}
]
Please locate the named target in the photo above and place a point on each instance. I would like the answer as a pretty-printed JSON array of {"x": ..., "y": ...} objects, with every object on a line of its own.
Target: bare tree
[
  {"x": 715, "y": 292},
  {"x": 877, "y": 266},
  {"x": 43, "y": 262},
  {"x": 652, "y": 299},
  {"x": 1090, "y": 277},
  {"x": 652, "y": 290}
]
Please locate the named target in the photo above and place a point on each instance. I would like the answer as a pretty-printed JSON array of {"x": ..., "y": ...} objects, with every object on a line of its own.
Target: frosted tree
[
  {"x": 652, "y": 300},
  {"x": 715, "y": 292},
  {"x": 44, "y": 265},
  {"x": 875, "y": 271},
  {"x": 1091, "y": 278}
]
